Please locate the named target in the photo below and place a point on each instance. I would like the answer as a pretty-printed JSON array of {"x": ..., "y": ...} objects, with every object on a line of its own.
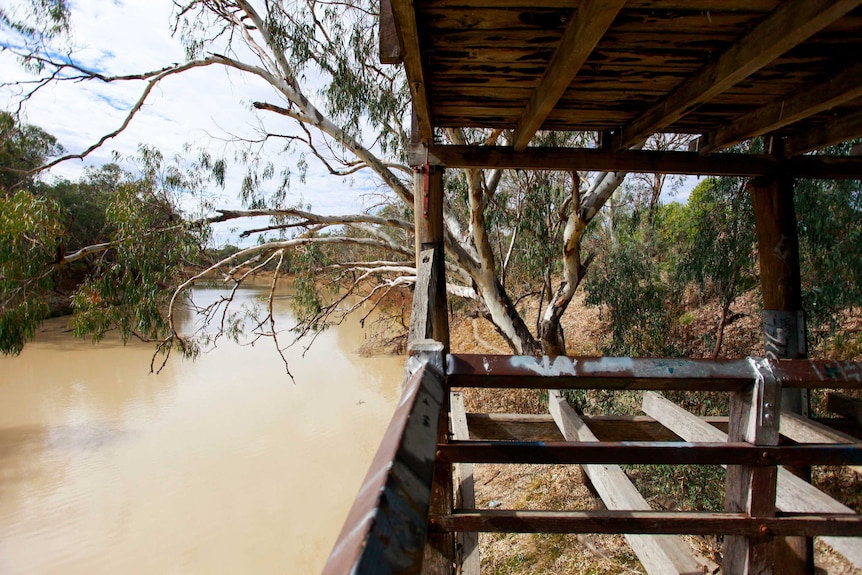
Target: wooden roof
[{"x": 725, "y": 70}]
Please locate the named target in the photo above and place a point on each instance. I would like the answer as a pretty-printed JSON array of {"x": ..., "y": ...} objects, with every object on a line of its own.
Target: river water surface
[{"x": 219, "y": 465}]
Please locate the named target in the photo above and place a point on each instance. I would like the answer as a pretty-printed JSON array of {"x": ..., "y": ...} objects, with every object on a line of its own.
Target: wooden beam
[
  {"x": 841, "y": 88},
  {"x": 642, "y": 161},
  {"x": 803, "y": 430},
  {"x": 787, "y": 26},
  {"x": 844, "y": 405},
  {"x": 537, "y": 427},
  {"x": 792, "y": 495},
  {"x": 405, "y": 22},
  {"x": 646, "y": 521},
  {"x": 840, "y": 129},
  {"x": 590, "y": 21},
  {"x": 389, "y": 45},
  {"x": 467, "y": 560},
  {"x": 657, "y": 553}
]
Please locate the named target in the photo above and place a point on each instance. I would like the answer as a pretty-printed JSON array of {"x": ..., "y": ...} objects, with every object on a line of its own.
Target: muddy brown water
[{"x": 221, "y": 465}]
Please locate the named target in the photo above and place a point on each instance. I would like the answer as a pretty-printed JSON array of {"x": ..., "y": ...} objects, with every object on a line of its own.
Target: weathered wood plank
[
  {"x": 647, "y": 522},
  {"x": 787, "y": 26},
  {"x": 467, "y": 558},
  {"x": 589, "y": 24},
  {"x": 845, "y": 126},
  {"x": 657, "y": 553},
  {"x": 793, "y": 494},
  {"x": 389, "y": 45},
  {"x": 845, "y": 405},
  {"x": 841, "y": 88},
  {"x": 754, "y": 417},
  {"x": 537, "y": 427},
  {"x": 804, "y": 430}
]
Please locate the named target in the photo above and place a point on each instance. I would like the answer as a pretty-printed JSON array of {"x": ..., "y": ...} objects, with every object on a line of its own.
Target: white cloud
[{"x": 202, "y": 106}]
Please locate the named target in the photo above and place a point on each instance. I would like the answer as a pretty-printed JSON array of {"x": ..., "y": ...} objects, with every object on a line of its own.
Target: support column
[
  {"x": 754, "y": 418},
  {"x": 439, "y": 553},
  {"x": 783, "y": 321},
  {"x": 428, "y": 225}
]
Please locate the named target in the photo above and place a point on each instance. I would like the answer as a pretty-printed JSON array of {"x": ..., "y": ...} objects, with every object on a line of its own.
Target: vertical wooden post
[
  {"x": 754, "y": 418},
  {"x": 783, "y": 320},
  {"x": 428, "y": 225}
]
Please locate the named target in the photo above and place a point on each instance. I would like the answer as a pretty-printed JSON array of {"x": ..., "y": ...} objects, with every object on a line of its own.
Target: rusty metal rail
[
  {"x": 617, "y": 373},
  {"x": 647, "y": 453}
]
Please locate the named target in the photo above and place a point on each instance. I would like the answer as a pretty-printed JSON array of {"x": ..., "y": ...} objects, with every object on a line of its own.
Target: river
[{"x": 218, "y": 465}]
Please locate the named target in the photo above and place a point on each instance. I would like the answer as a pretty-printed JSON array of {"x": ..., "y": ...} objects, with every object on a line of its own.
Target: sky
[{"x": 202, "y": 107}]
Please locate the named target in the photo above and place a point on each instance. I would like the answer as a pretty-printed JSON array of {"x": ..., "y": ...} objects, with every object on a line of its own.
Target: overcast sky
[{"x": 202, "y": 106}]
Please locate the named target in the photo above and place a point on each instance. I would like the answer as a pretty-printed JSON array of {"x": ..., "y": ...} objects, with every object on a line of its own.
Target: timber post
[
  {"x": 754, "y": 418},
  {"x": 783, "y": 318},
  {"x": 430, "y": 317}
]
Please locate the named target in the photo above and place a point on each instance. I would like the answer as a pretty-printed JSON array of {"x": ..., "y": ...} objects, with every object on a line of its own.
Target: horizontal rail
[
  {"x": 647, "y": 522},
  {"x": 618, "y": 373},
  {"x": 644, "y": 452}
]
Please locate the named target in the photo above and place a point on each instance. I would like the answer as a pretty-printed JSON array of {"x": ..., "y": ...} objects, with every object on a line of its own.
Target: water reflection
[{"x": 222, "y": 465}]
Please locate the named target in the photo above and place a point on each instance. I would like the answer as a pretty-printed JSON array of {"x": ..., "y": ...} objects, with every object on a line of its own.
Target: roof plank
[
  {"x": 787, "y": 26},
  {"x": 842, "y": 128},
  {"x": 591, "y": 21},
  {"x": 842, "y": 88}
]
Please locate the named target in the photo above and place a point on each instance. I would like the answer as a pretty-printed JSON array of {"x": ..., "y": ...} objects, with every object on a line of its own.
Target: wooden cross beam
[{"x": 787, "y": 26}]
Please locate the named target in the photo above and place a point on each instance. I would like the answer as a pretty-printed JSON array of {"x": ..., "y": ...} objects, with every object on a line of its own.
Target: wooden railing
[{"x": 400, "y": 507}]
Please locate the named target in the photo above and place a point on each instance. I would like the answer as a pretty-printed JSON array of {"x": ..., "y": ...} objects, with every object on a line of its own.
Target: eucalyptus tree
[{"x": 319, "y": 60}]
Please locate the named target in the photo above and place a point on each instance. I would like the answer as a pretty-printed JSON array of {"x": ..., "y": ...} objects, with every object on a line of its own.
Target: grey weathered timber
[
  {"x": 430, "y": 287},
  {"x": 467, "y": 558},
  {"x": 793, "y": 494},
  {"x": 657, "y": 553},
  {"x": 386, "y": 528},
  {"x": 588, "y": 25},
  {"x": 405, "y": 23},
  {"x": 754, "y": 418},
  {"x": 786, "y": 27},
  {"x": 803, "y": 430},
  {"x": 841, "y": 88},
  {"x": 844, "y": 127},
  {"x": 844, "y": 404},
  {"x": 783, "y": 320}
]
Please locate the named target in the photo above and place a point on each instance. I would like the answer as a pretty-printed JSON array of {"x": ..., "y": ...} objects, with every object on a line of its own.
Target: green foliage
[
  {"x": 22, "y": 148},
  {"x": 130, "y": 285},
  {"x": 30, "y": 228},
  {"x": 33, "y": 23},
  {"x": 718, "y": 239},
  {"x": 309, "y": 299},
  {"x": 830, "y": 243},
  {"x": 85, "y": 203},
  {"x": 635, "y": 298}
]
